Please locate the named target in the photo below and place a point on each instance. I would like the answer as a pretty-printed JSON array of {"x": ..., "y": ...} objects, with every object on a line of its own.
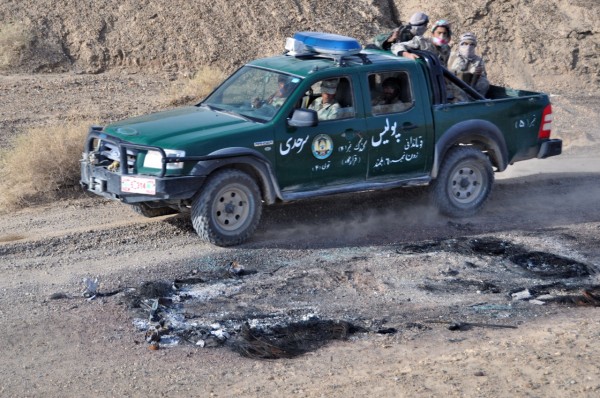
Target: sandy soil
[
  {"x": 512, "y": 277},
  {"x": 382, "y": 261}
]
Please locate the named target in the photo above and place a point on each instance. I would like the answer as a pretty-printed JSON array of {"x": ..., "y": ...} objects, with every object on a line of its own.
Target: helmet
[
  {"x": 329, "y": 86},
  {"x": 418, "y": 19},
  {"x": 468, "y": 37},
  {"x": 444, "y": 23}
]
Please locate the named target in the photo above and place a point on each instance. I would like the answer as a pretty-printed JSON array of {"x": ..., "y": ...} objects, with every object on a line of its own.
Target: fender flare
[
  {"x": 481, "y": 133},
  {"x": 245, "y": 159}
]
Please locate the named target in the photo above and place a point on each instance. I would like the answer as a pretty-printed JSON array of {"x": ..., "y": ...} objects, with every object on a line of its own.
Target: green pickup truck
[{"x": 316, "y": 121}]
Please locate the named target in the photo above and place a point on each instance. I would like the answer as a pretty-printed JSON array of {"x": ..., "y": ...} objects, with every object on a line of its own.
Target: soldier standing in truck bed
[
  {"x": 437, "y": 44},
  {"x": 417, "y": 26},
  {"x": 468, "y": 66}
]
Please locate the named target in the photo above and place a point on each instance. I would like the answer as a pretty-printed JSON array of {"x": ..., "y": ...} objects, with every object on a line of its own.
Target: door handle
[
  {"x": 409, "y": 126},
  {"x": 349, "y": 133}
]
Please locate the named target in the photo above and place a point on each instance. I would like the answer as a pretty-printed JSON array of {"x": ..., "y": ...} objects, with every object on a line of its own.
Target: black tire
[
  {"x": 147, "y": 211},
  {"x": 228, "y": 209},
  {"x": 464, "y": 182}
]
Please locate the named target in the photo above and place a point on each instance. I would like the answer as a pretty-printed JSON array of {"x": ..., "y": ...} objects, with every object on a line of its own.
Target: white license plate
[{"x": 146, "y": 186}]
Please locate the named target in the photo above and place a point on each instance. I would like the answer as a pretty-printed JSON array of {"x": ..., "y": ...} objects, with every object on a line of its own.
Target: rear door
[{"x": 397, "y": 132}]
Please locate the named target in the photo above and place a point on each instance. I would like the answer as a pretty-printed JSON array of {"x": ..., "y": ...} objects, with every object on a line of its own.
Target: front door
[{"x": 332, "y": 153}]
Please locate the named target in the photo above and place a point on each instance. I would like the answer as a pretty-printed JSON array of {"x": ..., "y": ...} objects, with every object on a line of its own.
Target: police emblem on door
[{"x": 322, "y": 146}]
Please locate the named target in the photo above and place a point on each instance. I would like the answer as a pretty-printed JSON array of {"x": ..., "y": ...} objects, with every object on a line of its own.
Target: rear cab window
[{"x": 390, "y": 92}]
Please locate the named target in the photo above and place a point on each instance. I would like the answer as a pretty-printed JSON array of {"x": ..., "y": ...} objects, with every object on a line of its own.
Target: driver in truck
[
  {"x": 326, "y": 105},
  {"x": 278, "y": 97}
]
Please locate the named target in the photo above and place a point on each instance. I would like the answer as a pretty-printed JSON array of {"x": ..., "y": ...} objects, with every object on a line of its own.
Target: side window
[
  {"x": 390, "y": 92},
  {"x": 332, "y": 98}
]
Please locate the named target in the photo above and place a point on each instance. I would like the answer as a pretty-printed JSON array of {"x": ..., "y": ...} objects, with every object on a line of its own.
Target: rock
[{"x": 522, "y": 295}]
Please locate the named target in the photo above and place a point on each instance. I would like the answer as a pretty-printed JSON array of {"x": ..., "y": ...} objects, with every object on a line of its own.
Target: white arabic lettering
[
  {"x": 360, "y": 146},
  {"x": 528, "y": 122},
  {"x": 351, "y": 160},
  {"x": 413, "y": 142},
  {"x": 387, "y": 128},
  {"x": 407, "y": 157},
  {"x": 374, "y": 143},
  {"x": 321, "y": 167},
  {"x": 292, "y": 144}
]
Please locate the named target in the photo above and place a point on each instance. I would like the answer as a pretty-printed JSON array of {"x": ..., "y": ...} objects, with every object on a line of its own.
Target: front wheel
[
  {"x": 464, "y": 182},
  {"x": 228, "y": 209}
]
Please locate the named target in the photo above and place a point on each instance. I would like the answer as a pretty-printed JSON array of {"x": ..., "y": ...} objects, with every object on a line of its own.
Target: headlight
[{"x": 153, "y": 159}]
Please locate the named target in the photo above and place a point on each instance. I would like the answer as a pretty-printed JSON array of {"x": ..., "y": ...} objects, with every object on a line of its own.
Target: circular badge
[{"x": 322, "y": 146}]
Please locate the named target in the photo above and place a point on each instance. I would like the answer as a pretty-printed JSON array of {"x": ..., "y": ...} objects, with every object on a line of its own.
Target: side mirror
[{"x": 304, "y": 118}]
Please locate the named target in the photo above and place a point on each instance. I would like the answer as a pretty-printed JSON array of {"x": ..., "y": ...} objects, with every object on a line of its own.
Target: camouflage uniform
[
  {"x": 468, "y": 66},
  {"x": 381, "y": 40},
  {"x": 325, "y": 111},
  {"x": 415, "y": 27},
  {"x": 425, "y": 44},
  {"x": 465, "y": 69}
]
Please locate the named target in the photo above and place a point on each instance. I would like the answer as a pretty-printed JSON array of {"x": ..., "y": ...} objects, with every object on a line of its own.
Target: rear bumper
[
  {"x": 549, "y": 148},
  {"x": 105, "y": 183}
]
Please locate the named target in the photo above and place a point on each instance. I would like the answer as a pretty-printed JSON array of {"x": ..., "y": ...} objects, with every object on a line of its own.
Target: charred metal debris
[
  {"x": 569, "y": 275},
  {"x": 171, "y": 313}
]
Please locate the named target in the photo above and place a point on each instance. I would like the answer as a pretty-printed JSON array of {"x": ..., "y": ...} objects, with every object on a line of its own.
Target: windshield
[{"x": 253, "y": 93}]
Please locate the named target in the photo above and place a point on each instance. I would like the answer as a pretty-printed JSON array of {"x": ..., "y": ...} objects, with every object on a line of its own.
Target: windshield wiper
[{"x": 232, "y": 113}]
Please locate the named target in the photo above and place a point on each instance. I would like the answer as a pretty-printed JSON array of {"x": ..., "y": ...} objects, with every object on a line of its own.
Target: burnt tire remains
[{"x": 551, "y": 265}]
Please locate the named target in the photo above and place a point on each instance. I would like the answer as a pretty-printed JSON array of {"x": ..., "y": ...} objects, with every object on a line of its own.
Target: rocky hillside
[{"x": 552, "y": 45}]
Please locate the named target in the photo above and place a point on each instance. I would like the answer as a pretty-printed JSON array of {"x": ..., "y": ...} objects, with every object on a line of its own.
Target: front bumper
[{"x": 106, "y": 183}]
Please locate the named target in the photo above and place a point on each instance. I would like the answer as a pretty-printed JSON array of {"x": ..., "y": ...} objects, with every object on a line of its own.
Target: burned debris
[
  {"x": 551, "y": 265},
  {"x": 454, "y": 325},
  {"x": 292, "y": 340},
  {"x": 484, "y": 282}
]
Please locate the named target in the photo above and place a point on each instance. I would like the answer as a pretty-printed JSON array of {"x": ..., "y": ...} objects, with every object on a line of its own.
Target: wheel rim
[
  {"x": 231, "y": 208},
  {"x": 466, "y": 184}
]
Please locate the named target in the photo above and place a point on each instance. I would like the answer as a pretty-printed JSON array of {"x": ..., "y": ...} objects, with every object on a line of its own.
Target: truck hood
[{"x": 175, "y": 128}]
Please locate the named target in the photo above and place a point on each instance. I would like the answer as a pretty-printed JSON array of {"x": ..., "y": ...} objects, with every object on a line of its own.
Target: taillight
[{"x": 546, "y": 125}]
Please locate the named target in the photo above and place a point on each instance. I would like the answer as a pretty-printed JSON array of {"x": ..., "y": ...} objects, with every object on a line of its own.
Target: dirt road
[{"x": 510, "y": 280}]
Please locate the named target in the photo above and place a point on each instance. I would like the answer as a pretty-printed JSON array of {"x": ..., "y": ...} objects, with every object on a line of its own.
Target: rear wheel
[
  {"x": 464, "y": 182},
  {"x": 228, "y": 209},
  {"x": 147, "y": 211}
]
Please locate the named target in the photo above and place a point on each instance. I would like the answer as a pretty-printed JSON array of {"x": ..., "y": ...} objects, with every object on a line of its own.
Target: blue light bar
[{"x": 328, "y": 43}]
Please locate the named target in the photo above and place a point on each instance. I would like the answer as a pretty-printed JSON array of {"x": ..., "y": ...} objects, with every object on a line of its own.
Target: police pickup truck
[{"x": 257, "y": 140}]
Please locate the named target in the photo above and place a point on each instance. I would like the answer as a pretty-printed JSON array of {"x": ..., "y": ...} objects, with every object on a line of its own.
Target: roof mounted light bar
[{"x": 318, "y": 43}]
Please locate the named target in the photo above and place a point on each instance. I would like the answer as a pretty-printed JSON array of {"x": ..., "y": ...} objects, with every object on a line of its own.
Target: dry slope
[{"x": 552, "y": 45}]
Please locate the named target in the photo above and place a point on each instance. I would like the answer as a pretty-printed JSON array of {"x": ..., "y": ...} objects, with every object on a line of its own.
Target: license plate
[{"x": 146, "y": 186}]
